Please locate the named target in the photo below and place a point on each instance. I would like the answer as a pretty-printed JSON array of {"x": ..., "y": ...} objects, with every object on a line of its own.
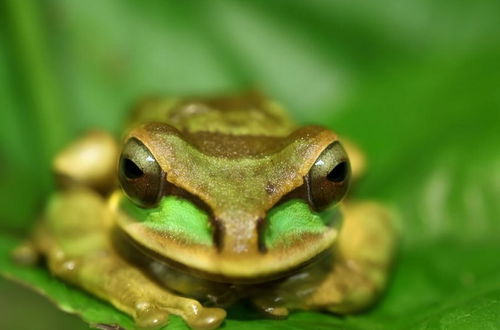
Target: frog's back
[{"x": 244, "y": 114}]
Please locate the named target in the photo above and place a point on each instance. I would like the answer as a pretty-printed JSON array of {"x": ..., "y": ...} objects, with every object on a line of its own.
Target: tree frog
[{"x": 209, "y": 201}]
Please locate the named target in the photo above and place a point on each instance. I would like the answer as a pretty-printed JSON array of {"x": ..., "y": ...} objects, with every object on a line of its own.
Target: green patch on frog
[
  {"x": 176, "y": 216},
  {"x": 293, "y": 219}
]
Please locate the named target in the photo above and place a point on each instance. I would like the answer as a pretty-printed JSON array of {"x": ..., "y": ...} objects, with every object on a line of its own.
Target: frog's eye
[
  {"x": 140, "y": 175},
  {"x": 329, "y": 177}
]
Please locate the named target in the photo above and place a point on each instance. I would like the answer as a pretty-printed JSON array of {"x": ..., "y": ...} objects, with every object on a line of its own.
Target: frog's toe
[
  {"x": 269, "y": 308},
  {"x": 206, "y": 318},
  {"x": 275, "y": 312},
  {"x": 149, "y": 317},
  {"x": 25, "y": 254}
]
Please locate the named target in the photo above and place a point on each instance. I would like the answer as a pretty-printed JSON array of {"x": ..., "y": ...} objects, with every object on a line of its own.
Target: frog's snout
[{"x": 237, "y": 236}]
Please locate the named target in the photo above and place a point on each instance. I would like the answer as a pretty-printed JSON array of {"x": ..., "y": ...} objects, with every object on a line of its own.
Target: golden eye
[
  {"x": 328, "y": 179},
  {"x": 141, "y": 177}
]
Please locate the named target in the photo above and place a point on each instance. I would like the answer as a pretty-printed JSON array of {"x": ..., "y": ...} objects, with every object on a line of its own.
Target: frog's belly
[{"x": 219, "y": 292}]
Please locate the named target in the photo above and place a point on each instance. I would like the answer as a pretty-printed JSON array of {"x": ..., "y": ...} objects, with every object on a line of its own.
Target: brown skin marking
[{"x": 270, "y": 188}]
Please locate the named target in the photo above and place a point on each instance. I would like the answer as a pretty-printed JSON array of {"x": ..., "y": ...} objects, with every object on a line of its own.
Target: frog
[{"x": 204, "y": 202}]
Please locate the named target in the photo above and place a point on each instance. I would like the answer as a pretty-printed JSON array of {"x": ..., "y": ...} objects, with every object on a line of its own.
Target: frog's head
[{"x": 236, "y": 207}]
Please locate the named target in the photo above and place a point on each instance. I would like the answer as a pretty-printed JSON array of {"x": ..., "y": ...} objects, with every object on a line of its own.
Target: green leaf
[{"x": 415, "y": 84}]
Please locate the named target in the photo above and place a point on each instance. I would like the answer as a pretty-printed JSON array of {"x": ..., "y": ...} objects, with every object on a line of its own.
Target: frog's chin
[{"x": 210, "y": 263}]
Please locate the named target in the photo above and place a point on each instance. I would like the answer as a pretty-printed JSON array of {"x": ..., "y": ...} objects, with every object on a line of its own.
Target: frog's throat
[
  {"x": 151, "y": 260},
  {"x": 181, "y": 234}
]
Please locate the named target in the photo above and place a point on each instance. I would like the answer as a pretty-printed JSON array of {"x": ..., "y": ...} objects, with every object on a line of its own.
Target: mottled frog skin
[{"x": 209, "y": 201}]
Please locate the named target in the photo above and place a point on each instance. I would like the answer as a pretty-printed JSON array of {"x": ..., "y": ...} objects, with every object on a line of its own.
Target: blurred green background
[{"x": 415, "y": 83}]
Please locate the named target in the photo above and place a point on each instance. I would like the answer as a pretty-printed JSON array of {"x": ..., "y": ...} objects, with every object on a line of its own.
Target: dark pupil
[
  {"x": 131, "y": 170},
  {"x": 338, "y": 173}
]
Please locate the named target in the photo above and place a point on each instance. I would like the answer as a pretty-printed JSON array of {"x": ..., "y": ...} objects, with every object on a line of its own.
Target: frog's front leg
[
  {"x": 351, "y": 277},
  {"x": 361, "y": 260},
  {"x": 74, "y": 238},
  {"x": 106, "y": 275}
]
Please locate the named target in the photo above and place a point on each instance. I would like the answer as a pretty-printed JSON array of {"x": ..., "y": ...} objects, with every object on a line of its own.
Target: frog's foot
[
  {"x": 204, "y": 318},
  {"x": 162, "y": 303},
  {"x": 26, "y": 254},
  {"x": 269, "y": 308},
  {"x": 152, "y": 315}
]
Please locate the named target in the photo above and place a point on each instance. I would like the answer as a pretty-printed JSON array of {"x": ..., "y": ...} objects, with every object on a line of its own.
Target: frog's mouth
[{"x": 294, "y": 237}]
